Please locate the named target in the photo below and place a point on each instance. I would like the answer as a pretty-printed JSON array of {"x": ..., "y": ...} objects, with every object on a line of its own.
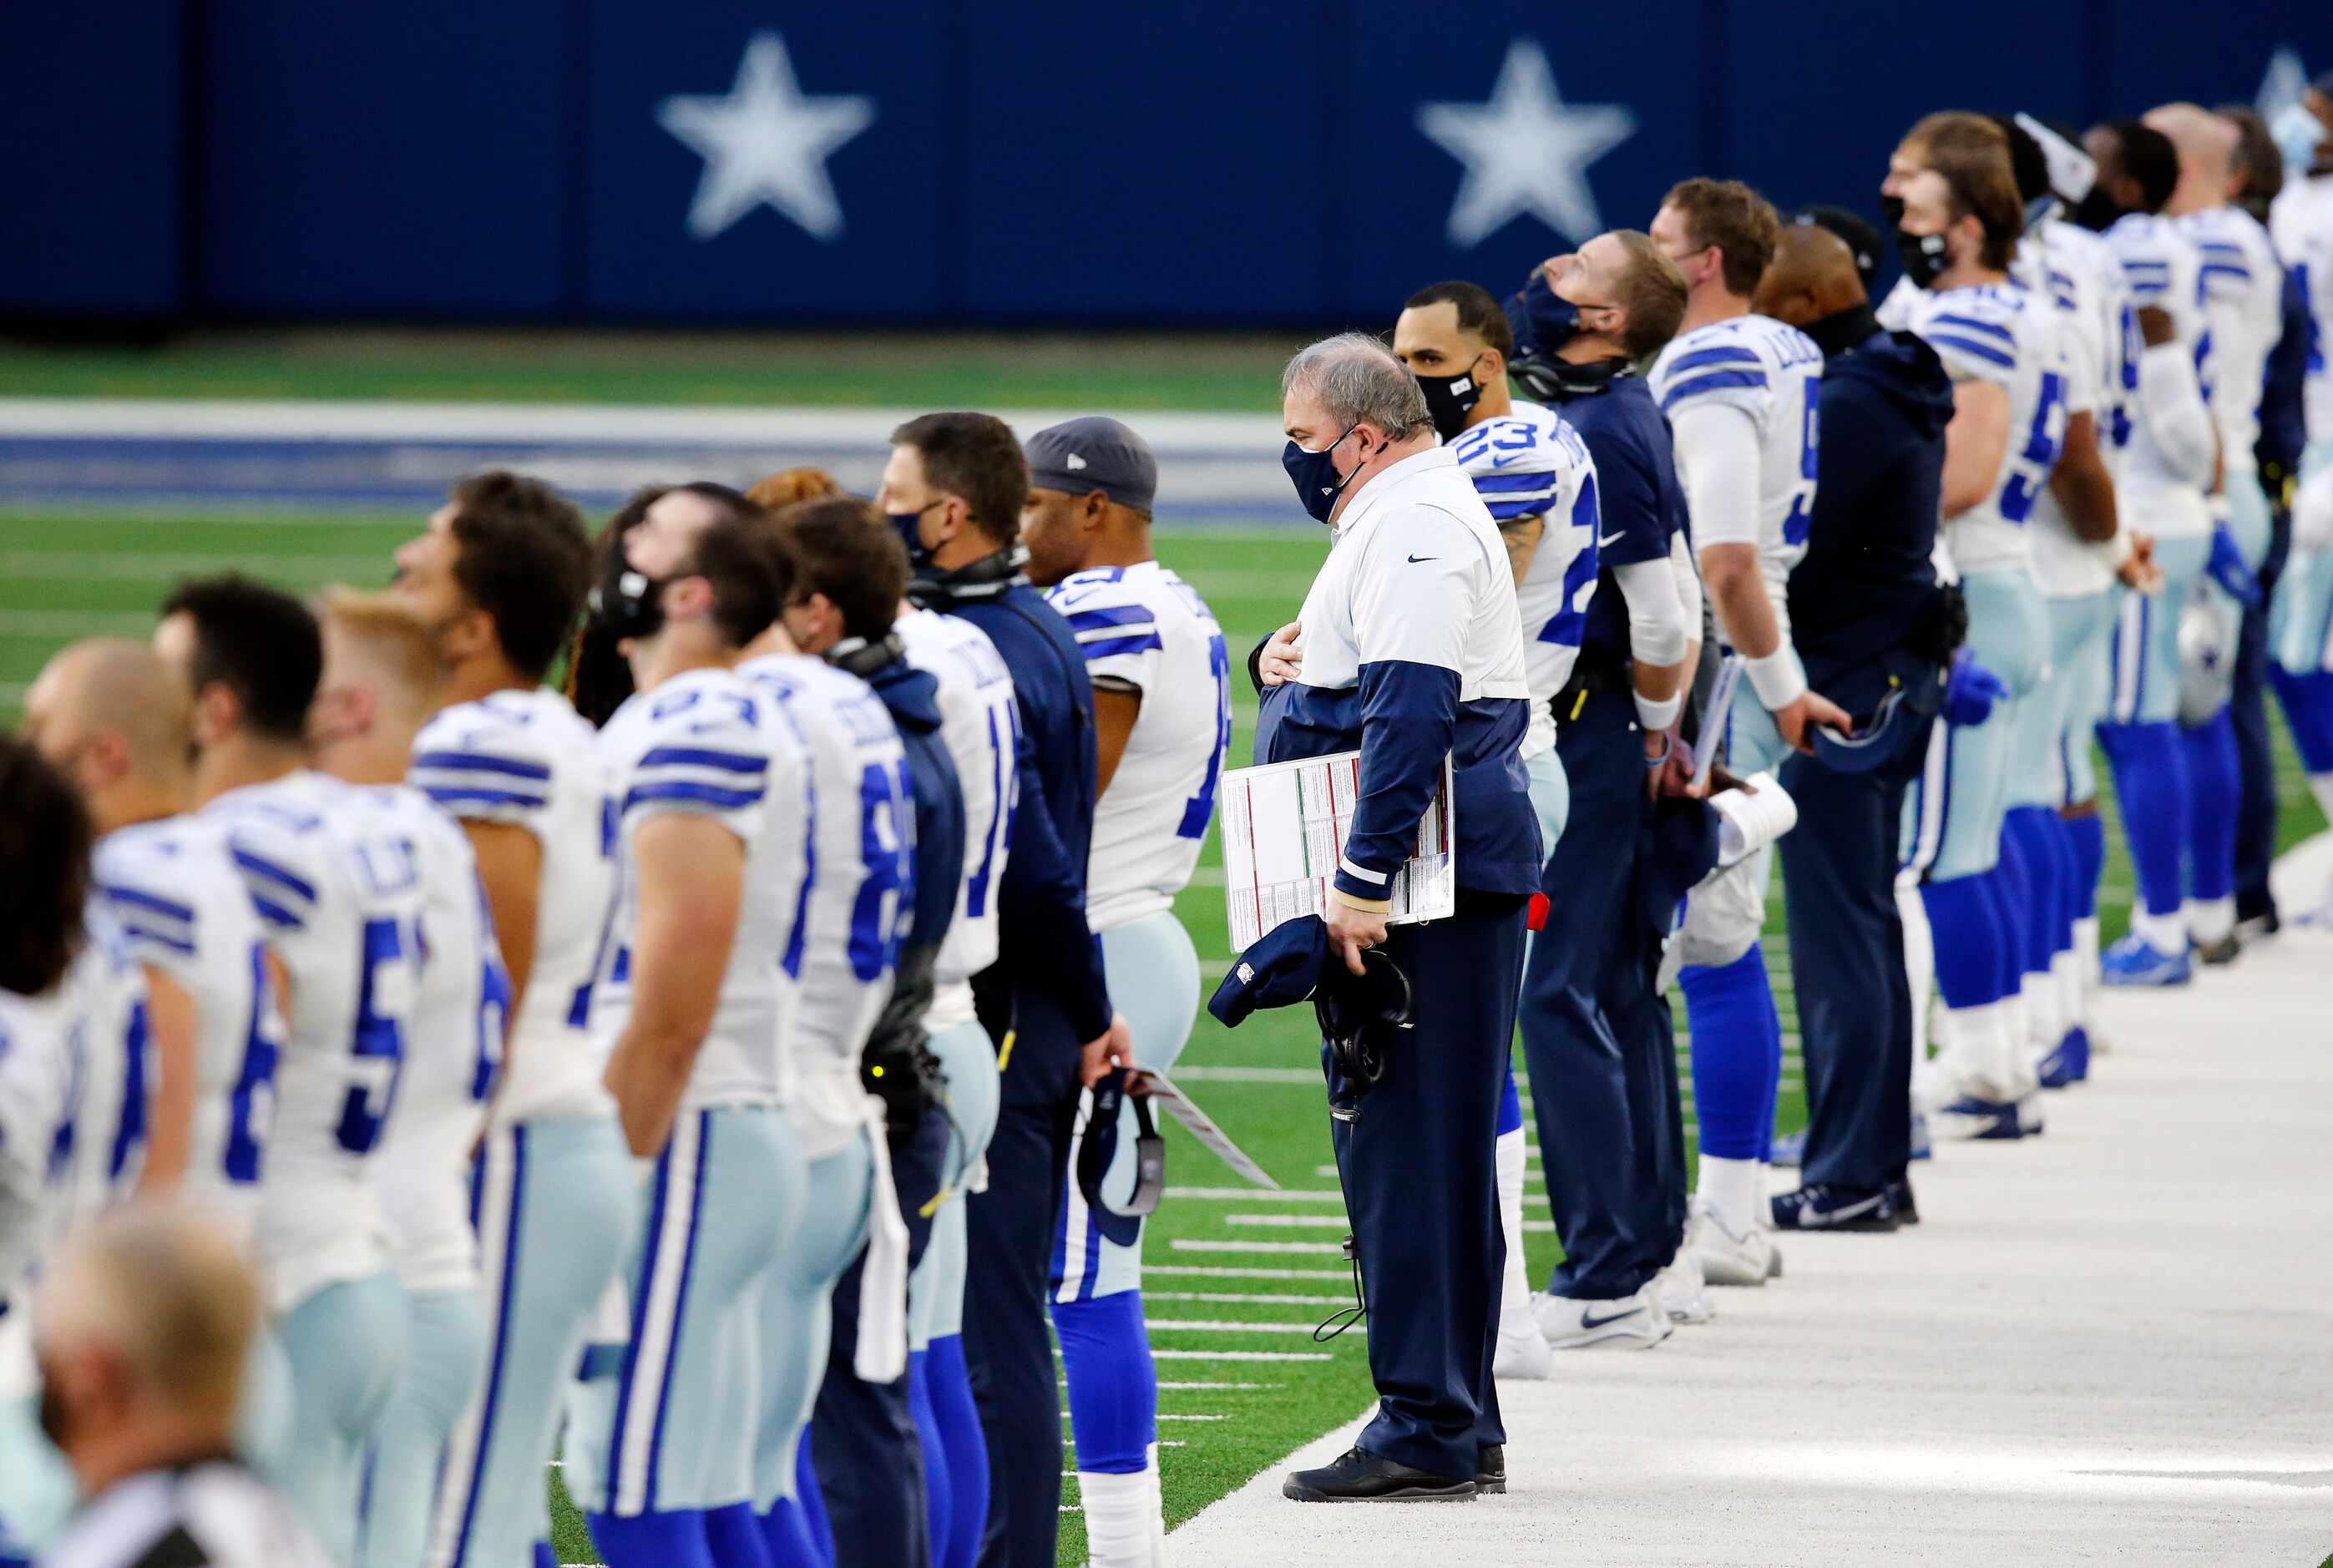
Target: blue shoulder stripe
[
  {"x": 683, "y": 790},
  {"x": 1108, "y": 615},
  {"x": 1501, "y": 483},
  {"x": 118, "y": 894},
  {"x": 480, "y": 762},
  {"x": 1103, "y": 648},
  {"x": 270, "y": 871},
  {"x": 1990, "y": 329},
  {"x": 445, "y": 796},
  {"x": 1531, "y": 507},
  {"x": 275, "y": 914},
  {"x": 1941, "y": 341},
  {"x": 1722, "y": 355},
  {"x": 1717, "y": 380},
  {"x": 176, "y": 944},
  {"x": 696, "y": 757},
  {"x": 2228, "y": 269}
]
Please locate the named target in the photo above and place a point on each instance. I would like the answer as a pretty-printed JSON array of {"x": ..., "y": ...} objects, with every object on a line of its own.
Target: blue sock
[
  {"x": 812, "y": 1502},
  {"x": 2150, "y": 769},
  {"x": 1736, "y": 1046},
  {"x": 2013, "y": 896},
  {"x": 2087, "y": 836},
  {"x": 1774, "y": 1044},
  {"x": 2041, "y": 841},
  {"x": 786, "y": 1536},
  {"x": 1113, "y": 1383},
  {"x": 1510, "y": 1108},
  {"x": 967, "y": 1452},
  {"x": 937, "y": 1497},
  {"x": 2214, "y": 791},
  {"x": 1968, "y": 941},
  {"x": 2056, "y": 833},
  {"x": 542, "y": 1557},
  {"x": 2308, "y": 702},
  {"x": 670, "y": 1540},
  {"x": 733, "y": 1535}
]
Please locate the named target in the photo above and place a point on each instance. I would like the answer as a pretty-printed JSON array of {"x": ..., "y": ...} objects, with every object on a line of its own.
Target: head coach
[{"x": 1412, "y": 651}]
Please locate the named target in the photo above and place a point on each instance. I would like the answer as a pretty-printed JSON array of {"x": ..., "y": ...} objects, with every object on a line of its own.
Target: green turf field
[{"x": 1235, "y": 1282}]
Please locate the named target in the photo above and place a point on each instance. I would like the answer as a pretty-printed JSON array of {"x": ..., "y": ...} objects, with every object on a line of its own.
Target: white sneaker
[
  {"x": 1724, "y": 1257},
  {"x": 1682, "y": 1293},
  {"x": 1630, "y": 1323},
  {"x": 1522, "y": 1354}
]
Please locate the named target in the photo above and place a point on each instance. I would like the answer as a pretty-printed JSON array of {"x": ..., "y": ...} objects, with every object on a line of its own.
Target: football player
[
  {"x": 383, "y": 678},
  {"x": 1739, "y": 390},
  {"x": 1161, "y": 677},
  {"x": 691, "y": 1008},
  {"x": 499, "y": 576},
  {"x": 2162, "y": 490},
  {"x": 338, "y": 889},
  {"x": 1953, "y": 200},
  {"x": 1536, "y": 477}
]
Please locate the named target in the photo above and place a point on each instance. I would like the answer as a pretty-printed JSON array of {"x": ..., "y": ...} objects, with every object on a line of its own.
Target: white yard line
[
  {"x": 1199, "y": 1073},
  {"x": 1164, "y": 1355},
  {"x": 1334, "y": 1221},
  {"x": 1238, "y": 1298},
  {"x": 1223, "y": 1326},
  {"x": 1316, "y": 1248},
  {"x": 1209, "y": 1270}
]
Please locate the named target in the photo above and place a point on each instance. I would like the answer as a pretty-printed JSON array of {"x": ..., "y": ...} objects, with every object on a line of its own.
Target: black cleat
[
  {"x": 1827, "y": 1207},
  {"x": 1491, "y": 1470},
  {"x": 1357, "y": 1476},
  {"x": 1899, "y": 1198},
  {"x": 2226, "y": 950}
]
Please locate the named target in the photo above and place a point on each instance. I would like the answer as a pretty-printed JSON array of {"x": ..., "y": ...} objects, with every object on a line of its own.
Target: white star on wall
[
  {"x": 765, "y": 142},
  {"x": 1526, "y": 152}
]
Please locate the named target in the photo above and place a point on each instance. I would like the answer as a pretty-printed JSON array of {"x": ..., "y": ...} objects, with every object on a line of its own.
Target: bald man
[
  {"x": 2243, "y": 305},
  {"x": 143, "y": 1328},
  {"x": 383, "y": 678},
  {"x": 1866, "y": 615}
]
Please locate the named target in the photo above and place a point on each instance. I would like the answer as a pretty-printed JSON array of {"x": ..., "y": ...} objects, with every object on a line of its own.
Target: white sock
[
  {"x": 2044, "y": 1024},
  {"x": 2320, "y": 784},
  {"x": 1158, "y": 1513},
  {"x": 2164, "y": 933},
  {"x": 1919, "y": 962},
  {"x": 1121, "y": 1510},
  {"x": 2011, "y": 1047},
  {"x": 2086, "y": 960},
  {"x": 1514, "y": 1286},
  {"x": 1736, "y": 1190},
  {"x": 2210, "y": 920},
  {"x": 2066, "y": 975}
]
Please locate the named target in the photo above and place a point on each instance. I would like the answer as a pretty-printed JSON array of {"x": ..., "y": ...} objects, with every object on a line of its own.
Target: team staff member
[
  {"x": 1595, "y": 1031},
  {"x": 1412, "y": 650},
  {"x": 1864, "y": 612},
  {"x": 954, "y": 487}
]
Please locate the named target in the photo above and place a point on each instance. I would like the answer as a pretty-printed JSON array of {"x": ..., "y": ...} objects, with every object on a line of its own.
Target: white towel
[{"x": 882, "y": 1354}]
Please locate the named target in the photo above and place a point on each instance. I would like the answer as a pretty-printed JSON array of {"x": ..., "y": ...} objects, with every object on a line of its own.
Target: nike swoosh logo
[
  {"x": 1589, "y": 1322},
  {"x": 1603, "y": 539},
  {"x": 1502, "y": 462},
  {"x": 1854, "y": 1211},
  {"x": 1416, "y": 559}
]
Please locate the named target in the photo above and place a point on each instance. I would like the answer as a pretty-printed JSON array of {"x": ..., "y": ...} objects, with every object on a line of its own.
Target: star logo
[
  {"x": 766, "y": 143},
  {"x": 1526, "y": 151}
]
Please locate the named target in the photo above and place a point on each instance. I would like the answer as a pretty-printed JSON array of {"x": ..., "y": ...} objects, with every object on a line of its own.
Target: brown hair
[
  {"x": 790, "y": 485},
  {"x": 976, "y": 458},
  {"x": 45, "y": 841},
  {"x": 1972, "y": 153},
  {"x": 1652, "y": 292},
  {"x": 1736, "y": 219},
  {"x": 844, "y": 549},
  {"x": 523, "y": 559}
]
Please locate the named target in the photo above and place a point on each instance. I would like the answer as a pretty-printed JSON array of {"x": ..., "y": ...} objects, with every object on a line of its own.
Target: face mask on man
[
  {"x": 1925, "y": 256},
  {"x": 910, "y": 526},
  {"x": 1449, "y": 399},
  {"x": 1314, "y": 474},
  {"x": 626, "y": 603}
]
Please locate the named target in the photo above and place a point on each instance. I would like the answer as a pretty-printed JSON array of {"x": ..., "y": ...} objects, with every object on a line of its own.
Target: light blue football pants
[
  {"x": 347, "y": 1347},
  {"x": 796, "y": 1316},
  {"x": 447, "y": 1354},
  {"x": 1951, "y": 817},
  {"x": 936, "y": 1290}
]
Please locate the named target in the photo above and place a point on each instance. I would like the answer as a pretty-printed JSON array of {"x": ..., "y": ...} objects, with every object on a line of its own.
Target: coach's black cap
[
  {"x": 1094, "y": 453},
  {"x": 1861, "y": 238}
]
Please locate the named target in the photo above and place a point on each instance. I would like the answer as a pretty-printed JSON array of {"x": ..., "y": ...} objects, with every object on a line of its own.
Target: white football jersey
[
  {"x": 859, "y": 901},
  {"x": 2244, "y": 304},
  {"x": 1773, "y": 373},
  {"x": 980, "y": 725},
  {"x": 707, "y": 744},
  {"x": 40, "y": 1077},
  {"x": 1999, "y": 332},
  {"x": 452, "y": 1048},
  {"x": 2301, "y": 222},
  {"x": 105, "y": 997},
  {"x": 527, "y": 757},
  {"x": 1531, "y": 463},
  {"x": 173, "y": 886},
  {"x": 337, "y": 886},
  {"x": 1143, "y": 628},
  {"x": 2098, "y": 335},
  {"x": 2163, "y": 269}
]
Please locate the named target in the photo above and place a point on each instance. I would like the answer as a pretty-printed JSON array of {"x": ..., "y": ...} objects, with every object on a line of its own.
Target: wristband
[
  {"x": 1668, "y": 748},
  {"x": 1657, "y": 716},
  {"x": 1779, "y": 677}
]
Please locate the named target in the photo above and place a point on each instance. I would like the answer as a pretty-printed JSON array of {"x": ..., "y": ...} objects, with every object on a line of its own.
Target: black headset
[{"x": 1358, "y": 1012}]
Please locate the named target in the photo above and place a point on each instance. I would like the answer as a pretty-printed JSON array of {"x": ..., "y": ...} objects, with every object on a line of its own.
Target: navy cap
[
  {"x": 1280, "y": 969},
  {"x": 1853, "y": 228},
  {"x": 1094, "y": 453}
]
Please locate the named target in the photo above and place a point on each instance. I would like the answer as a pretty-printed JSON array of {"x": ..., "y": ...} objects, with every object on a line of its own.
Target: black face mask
[
  {"x": 1924, "y": 255},
  {"x": 1450, "y": 399},
  {"x": 1838, "y": 332},
  {"x": 628, "y": 604},
  {"x": 2098, "y": 211}
]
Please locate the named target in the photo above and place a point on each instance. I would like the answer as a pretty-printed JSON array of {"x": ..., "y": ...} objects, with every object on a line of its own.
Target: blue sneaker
[
  {"x": 1969, "y": 1118},
  {"x": 2069, "y": 1063},
  {"x": 2133, "y": 962},
  {"x": 1789, "y": 1150},
  {"x": 1825, "y": 1207}
]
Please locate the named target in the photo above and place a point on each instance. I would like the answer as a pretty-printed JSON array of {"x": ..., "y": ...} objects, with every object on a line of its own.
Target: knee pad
[
  {"x": 1113, "y": 1386},
  {"x": 1723, "y": 916}
]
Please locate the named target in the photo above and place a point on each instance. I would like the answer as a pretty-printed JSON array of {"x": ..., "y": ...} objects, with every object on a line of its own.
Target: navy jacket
[
  {"x": 1867, "y": 585},
  {"x": 2282, "y": 427},
  {"x": 1044, "y": 943},
  {"x": 1642, "y": 503},
  {"x": 912, "y": 697}
]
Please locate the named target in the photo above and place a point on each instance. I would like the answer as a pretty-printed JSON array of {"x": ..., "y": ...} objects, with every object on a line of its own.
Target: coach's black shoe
[
  {"x": 1899, "y": 1198},
  {"x": 2226, "y": 950},
  {"x": 1359, "y": 1475},
  {"x": 1827, "y": 1207},
  {"x": 1491, "y": 1470}
]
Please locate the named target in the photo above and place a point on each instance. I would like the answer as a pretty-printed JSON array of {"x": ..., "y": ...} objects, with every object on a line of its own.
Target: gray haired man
[{"x": 1409, "y": 650}]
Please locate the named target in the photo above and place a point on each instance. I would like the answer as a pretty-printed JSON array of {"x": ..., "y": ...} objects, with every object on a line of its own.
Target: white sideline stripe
[
  {"x": 1164, "y": 1386},
  {"x": 162, "y": 566},
  {"x": 1223, "y": 1326},
  {"x": 1266, "y": 1194},
  {"x": 1318, "y": 1249},
  {"x": 1241, "y": 1296},
  {"x": 1161, "y": 1355},
  {"x": 1335, "y": 1221},
  {"x": 1210, "y": 1271},
  {"x": 1196, "y": 1074}
]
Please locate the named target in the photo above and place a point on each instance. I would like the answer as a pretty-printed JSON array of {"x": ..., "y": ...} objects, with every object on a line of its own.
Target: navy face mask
[
  {"x": 911, "y": 533},
  {"x": 1314, "y": 474},
  {"x": 1549, "y": 319},
  {"x": 1450, "y": 399}
]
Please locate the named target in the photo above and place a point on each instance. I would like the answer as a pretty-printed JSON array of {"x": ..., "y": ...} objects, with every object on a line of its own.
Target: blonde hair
[{"x": 392, "y": 639}]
